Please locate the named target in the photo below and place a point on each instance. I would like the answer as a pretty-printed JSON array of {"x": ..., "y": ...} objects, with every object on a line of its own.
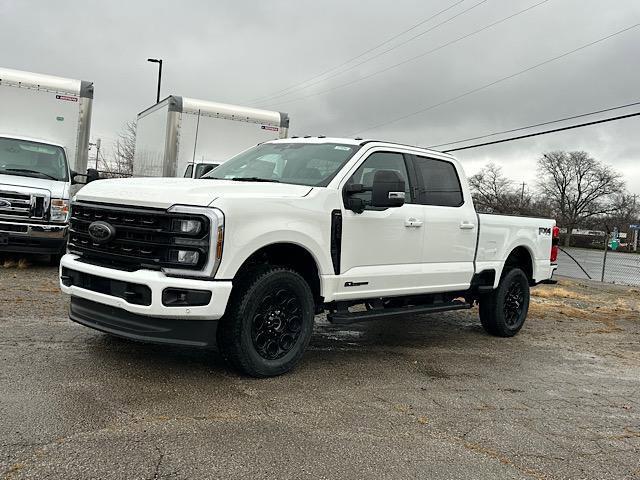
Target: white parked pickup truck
[{"x": 245, "y": 257}]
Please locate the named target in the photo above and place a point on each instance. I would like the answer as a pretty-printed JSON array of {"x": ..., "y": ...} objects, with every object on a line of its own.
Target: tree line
[{"x": 576, "y": 189}]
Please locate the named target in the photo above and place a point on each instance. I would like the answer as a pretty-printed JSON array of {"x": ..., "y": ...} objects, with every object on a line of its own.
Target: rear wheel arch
[{"x": 522, "y": 258}]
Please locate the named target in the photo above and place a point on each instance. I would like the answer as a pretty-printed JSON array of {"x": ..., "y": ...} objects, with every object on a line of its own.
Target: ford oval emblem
[
  {"x": 101, "y": 232},
  {"x": 5, "y": 204}
]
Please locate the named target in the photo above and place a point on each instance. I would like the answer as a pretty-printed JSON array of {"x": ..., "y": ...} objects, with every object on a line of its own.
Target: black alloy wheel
[
  {"x": 513, "y": 303},
  {"x": 277, "y": 323},
  {"x": 268, "y": 322}
]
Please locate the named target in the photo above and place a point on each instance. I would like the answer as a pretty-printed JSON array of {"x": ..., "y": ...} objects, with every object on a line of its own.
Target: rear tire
[
  {"x": 504, "y": 310},
  {"x": 268, "y": 322}
]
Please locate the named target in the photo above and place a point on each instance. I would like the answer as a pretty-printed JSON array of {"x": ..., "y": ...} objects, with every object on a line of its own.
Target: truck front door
[{"x": 381, "y": 249}]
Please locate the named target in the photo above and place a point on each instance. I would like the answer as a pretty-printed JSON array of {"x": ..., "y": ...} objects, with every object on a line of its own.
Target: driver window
[
  {"x": 189, "y": 171},
  {"x": 380, "y": 161}
]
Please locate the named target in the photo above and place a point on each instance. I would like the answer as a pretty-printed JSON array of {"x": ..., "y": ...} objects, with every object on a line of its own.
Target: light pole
[{"x": 159, "y": 62}]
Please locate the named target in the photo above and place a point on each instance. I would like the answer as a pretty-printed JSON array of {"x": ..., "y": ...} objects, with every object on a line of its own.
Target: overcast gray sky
[{"x": 237, "y": 51}]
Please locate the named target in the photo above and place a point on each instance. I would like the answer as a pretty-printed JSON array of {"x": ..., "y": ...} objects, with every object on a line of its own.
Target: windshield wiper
[
  {"x": 251, "y": 179},
  {"x": 26, "y": 170}
]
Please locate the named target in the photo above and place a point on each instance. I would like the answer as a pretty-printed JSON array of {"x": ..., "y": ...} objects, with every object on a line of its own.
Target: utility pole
[
  {"x": 522, "y": 193},
  {"x": 97, "y": 145},
  {"x": 159, "y": 62},
  {"x": 635, "y": 230}
]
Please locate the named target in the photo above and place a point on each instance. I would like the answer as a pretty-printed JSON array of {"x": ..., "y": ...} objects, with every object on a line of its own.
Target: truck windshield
[
  {"x": 313, "y": 164},
  {"x": 32, "y": 159}
]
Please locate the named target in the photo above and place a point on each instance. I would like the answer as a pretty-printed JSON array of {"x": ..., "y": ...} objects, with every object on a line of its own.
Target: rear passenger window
[
  {"x": 439, "y": 183},
  {"x": 189, "y": 171}
]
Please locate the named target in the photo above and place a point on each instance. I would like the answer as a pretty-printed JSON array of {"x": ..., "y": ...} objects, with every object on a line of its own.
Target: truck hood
[
  {"x": 165, "y": 192},
  {"x": 56, "y": 188}
]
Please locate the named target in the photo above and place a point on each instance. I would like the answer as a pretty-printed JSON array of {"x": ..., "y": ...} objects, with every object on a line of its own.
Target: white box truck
[
  {"x": 182, "y": 136},
  {"x": 44, "y": 144}
]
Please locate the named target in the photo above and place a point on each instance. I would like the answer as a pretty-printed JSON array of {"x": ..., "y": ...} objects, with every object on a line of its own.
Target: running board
[{"x": 346, "y": 317}]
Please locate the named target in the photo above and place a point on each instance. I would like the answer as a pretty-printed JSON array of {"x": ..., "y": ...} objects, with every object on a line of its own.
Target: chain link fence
[{"x": 604, "y": 265}]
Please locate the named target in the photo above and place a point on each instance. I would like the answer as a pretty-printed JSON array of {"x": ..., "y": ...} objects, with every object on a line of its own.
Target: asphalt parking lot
[{"x": 422, "y": 397}]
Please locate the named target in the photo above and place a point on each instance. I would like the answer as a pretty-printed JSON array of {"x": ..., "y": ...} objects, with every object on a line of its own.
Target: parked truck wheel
[
  {"x": 504, "y": 310},
  {"x": 268, "y": 323}
]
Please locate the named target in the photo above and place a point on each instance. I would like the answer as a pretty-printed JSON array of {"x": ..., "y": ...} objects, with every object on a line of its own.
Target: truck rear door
[{"x": 450, "y": 223}]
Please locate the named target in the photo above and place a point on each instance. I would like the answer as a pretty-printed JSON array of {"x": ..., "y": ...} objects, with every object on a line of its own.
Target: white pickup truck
[{"x": 245, "y": 257}]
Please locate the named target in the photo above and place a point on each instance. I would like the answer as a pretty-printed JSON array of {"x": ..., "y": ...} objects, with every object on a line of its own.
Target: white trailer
[
  {"x": 178, "y": 132},
  {"x": 44, "y": 144}
]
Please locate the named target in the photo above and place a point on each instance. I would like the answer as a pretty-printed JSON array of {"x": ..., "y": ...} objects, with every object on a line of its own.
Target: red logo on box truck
[{"x": 268, "y": 127}]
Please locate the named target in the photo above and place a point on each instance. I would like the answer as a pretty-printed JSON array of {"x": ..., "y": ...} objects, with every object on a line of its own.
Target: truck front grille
[
  {"x": 143, "y": 237},
  {"x": 16, "y": 205}
]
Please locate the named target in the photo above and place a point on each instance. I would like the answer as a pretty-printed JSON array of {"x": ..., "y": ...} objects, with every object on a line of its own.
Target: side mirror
[
  {"x": 92, "y": 175},
  {"x": 74, "y": 180},
  {"x": 353, "y": 203},
  {"x": 388, "y": 189},
  {"x": 352, "y": 188}
]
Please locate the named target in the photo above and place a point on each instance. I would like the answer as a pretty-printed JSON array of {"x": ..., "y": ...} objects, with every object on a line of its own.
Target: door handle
[
  {"x": 467, "y": 226},
  {"x": 413, "y": 222}
]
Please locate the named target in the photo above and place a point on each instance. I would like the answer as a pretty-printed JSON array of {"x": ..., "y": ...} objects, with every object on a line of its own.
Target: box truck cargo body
[
  {"x": 44, "y": 143},
  {"x": 177, "y": 132}
]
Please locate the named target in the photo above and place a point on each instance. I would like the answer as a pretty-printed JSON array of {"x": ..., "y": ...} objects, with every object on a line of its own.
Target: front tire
[
  {"x": 504, "y": 310},
  {"x": 268, "y": 323}
]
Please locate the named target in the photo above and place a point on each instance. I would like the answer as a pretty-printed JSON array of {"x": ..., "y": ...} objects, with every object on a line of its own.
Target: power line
[
  {"x": 286, "y": 91},
  {"x": 428, "y": 52},
  {"x": 275, "y": 94},
  {"x": 495, "y": 82},
  {"x": 571, "y": 127},
  {"x": 573, "y": 117}
]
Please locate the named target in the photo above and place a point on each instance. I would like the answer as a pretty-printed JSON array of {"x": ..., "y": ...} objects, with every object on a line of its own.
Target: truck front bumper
[
  {"x": 136, "y": 298},
  {"x": 116, "y": 321},
  {"x": 33, "y": 237}
]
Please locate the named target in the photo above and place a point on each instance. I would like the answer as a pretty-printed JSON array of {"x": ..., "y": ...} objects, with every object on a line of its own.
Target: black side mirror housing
[
  {"x": 388, "y": 189},
  {"x": 74, "y": 180},
  {"x": 92, "y": 175},
  {"x": 352, "y": 188}
]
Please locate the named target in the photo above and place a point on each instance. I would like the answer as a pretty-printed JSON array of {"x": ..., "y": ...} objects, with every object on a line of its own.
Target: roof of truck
[
  {"x": 358, "y": 142},
  {"x": 46, "y": 82},
  {"x": 30, "y": 139},
  {"x": 220, "y": 110}
]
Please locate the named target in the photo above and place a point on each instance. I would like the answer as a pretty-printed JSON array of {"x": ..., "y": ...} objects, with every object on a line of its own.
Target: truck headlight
[
  {"x": 188, "y": 254},
  {"x": 190, "y": 227},
  {"x": 59, "y": 210}
]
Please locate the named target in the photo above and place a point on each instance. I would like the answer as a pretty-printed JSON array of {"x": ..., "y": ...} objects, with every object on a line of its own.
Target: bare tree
[
  {"x": 626, "y": 212},
  {"x": 578, "y": 187},
  {"x": 121, "y": 161},
  {"x": 493, "y": 192}
]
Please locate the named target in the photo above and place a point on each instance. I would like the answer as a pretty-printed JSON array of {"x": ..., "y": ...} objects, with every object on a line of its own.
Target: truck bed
[{"x": 500, "y": 234}]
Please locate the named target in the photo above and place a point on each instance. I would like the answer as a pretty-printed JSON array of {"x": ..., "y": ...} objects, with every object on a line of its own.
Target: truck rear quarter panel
[{"x": 501, "y": 234}]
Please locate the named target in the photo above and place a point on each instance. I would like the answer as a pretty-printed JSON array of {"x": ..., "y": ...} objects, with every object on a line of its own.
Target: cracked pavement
[{"x": 420, "y": 397}]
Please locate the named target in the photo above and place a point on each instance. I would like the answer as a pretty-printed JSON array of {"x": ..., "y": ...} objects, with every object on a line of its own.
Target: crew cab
[{"x": 245, "y": 257}]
